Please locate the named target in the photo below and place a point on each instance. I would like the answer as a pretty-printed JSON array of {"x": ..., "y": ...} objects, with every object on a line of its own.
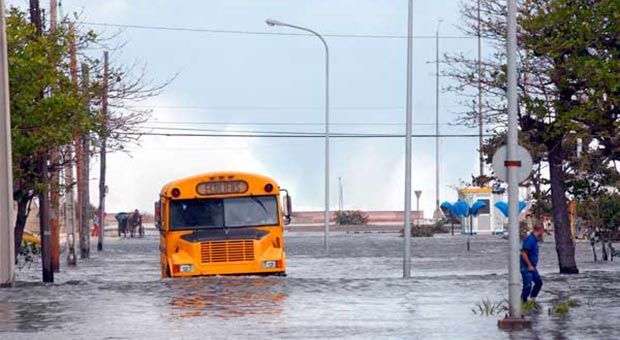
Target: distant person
[
  {"x": 529, "y": 261},
  {"x": 135, "y": 222},
  {"x": 122, "y": 218}
]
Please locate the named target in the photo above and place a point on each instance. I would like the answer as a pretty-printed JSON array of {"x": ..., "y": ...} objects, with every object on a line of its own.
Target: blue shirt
[{"x": 530, "y": 246}]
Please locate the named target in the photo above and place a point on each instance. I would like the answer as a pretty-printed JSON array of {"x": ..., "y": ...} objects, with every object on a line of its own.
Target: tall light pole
[
  {"x": 409, "y": 120},
  {"x": 7, "y": 250},
  {"x": 480, "y": 122},
  {"x": 272, "y": 22}
]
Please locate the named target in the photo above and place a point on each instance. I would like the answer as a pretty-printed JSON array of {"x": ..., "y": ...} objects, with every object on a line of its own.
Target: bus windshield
[{"x": 223, "y": 212}]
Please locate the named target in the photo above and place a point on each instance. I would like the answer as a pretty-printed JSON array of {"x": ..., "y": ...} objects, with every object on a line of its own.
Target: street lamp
[
  {"x": 408, "y": 130},
  {"x": 272, "y": 22}
]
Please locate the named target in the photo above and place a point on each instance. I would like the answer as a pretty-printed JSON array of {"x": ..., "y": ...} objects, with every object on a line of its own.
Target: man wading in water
[{"x": 529, "y": 260}]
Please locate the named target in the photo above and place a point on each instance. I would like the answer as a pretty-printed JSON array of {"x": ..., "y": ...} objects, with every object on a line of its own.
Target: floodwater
[{"x": 356, "y": 292}]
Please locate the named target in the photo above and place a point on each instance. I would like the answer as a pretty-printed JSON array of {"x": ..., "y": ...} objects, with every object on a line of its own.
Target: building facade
[{"x": 489, "y": 220}]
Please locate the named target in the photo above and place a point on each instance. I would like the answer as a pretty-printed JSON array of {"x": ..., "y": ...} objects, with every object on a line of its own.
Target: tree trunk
[
  {"x": 605, "y": 255},
  {"x": 564, "y": 244},
  {"x": 20, "y": 222}
]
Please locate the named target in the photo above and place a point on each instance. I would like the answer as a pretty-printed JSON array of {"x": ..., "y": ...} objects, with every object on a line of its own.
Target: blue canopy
[
  {"x": 446, "y": 207},
  {"x": 475, "y": 208},
  {"x": 460, "y": 208},
  {"x": 503, "y": 207}
]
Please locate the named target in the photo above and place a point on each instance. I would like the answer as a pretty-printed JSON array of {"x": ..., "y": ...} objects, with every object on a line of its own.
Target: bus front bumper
[{"x": 183, "y": 265}]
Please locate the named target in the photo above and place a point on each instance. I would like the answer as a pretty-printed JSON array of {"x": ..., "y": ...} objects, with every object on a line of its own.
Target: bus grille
[{"x": 227, "y": 251}]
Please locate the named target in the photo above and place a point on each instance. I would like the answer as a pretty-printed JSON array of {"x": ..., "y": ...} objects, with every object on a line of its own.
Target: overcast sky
[{"x": 261, "y": 79}]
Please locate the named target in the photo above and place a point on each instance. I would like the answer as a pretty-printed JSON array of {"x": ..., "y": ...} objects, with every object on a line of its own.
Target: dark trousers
[{"x": 529, "y": 278}]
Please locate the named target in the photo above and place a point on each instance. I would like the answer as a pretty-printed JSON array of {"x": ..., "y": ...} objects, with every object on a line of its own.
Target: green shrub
[
  {"x": 351, "y": 217},
  {"x": 423, "y": 231},
  {"x": 531, "y": 306},
  {"x": 562, "y": 308},
  {"x": 488, "y": 308}
]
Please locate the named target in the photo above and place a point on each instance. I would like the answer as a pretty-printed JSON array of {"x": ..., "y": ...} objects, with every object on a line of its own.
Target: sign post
[{"x": 513, "y": 164}]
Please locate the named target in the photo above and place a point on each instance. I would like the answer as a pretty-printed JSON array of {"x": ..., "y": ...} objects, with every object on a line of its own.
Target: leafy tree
[
  {"x": 46, "y": 110},
  {"x": 51, "y": 109},
  {"x": 602, "y": 212},
  {"x": 568, "y": 86}
]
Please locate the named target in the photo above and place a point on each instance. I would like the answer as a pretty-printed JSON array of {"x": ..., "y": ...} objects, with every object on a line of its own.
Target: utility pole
[
  {"x": 7, "y": 250},
  {"x": 43, "y": 172},
  {"x": 44, "y": 219},
  {"x": 55, "y": 175},
  {"x": 480, "y": 122},
  {"x": 437, "y": 213},
  {"x": 83, "y": 189},
  {"x": 340, "y": 195},
  {"x": 70, "y": 218},
  {"x": 102, "y": 152},
  {"x": 408, "y": 131}
]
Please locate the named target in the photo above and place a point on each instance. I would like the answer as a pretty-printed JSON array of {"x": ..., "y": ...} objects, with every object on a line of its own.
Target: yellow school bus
[{"x": 222, "y": 223}]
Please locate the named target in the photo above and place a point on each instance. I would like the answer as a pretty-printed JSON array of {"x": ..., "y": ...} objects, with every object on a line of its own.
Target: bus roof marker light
[
  {"x": 176, "y": 192},
  {"x": 268, "y": 187}
]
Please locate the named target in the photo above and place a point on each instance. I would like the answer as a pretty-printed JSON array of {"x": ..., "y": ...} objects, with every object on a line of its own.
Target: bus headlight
[
  {"x": 185, "y": 268},
  {"x": 269, "y": 264}
]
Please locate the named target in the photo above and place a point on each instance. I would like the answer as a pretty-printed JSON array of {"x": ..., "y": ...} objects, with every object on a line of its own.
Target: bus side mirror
[
  {"x": 157, "y": 215},
  {"x": 288, "y": 209}
]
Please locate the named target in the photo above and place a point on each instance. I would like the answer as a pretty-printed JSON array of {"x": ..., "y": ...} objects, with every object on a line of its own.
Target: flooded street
[{"x": 357, "y": 292}]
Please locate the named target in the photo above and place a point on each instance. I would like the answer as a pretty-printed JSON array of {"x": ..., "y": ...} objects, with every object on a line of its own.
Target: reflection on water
[
  {"x": 356, "y": 292},
  {"x": 8, "y": 317},
  {"x": 30, "y": 316},
  {"x": 226, "y": 297}
]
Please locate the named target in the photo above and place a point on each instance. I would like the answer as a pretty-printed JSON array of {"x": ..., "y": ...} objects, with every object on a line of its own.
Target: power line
[
  {"x": 289, "y": 124},
  {"x": 298, "y": 135},
  {"x": 267, "y": 33},
  {"x": 255, "y": 107},
  {"x": 226, "y": 131}
]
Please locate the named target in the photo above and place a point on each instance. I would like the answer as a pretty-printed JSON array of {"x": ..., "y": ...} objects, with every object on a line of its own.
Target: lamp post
[
  {"x": 272, "y": 22},
  {"x": 408, "y": 128}
]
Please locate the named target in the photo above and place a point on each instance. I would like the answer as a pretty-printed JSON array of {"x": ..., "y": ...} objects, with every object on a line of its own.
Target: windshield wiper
[{"x": 261, "y": 205}]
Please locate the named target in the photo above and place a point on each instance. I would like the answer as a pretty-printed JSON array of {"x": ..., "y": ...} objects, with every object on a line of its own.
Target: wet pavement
[{"x": 357, "y": 292}]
